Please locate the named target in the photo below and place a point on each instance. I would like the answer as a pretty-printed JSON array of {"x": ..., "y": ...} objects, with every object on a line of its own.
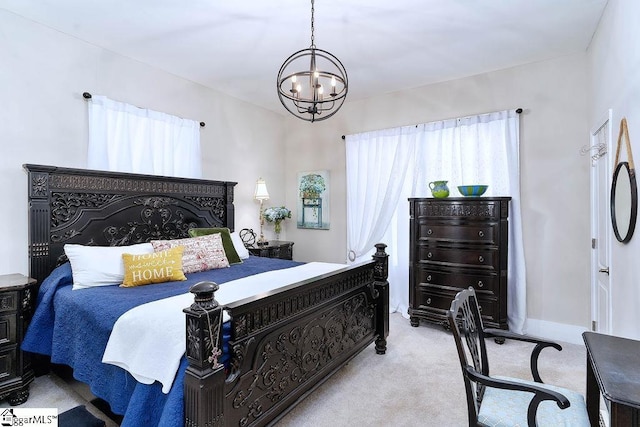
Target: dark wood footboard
[{"x": 284, "y": 344}]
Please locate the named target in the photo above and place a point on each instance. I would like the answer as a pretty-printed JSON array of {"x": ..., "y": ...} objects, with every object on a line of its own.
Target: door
[{"x": 599, "y": 151}]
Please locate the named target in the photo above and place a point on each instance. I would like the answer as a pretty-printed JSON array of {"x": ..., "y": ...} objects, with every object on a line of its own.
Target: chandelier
[{"x": 312, "y": 83}]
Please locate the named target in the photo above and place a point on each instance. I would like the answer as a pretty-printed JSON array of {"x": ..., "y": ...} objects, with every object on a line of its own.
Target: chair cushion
[{"x": 509, "y": 408}]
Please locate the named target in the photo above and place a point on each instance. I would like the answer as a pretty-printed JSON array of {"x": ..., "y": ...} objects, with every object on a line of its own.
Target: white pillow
[
  {"x": 100, "y": 265},
  {"x": 243, "y": 253}
]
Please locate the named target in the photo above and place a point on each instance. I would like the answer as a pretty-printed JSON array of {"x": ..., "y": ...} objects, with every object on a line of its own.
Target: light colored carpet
[
  {"x": 50, "y": 391},
  {"x": 417, "y": 383}
]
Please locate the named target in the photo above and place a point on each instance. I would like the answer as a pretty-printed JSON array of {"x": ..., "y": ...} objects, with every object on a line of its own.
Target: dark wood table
[{"x": 613, "y": 369}]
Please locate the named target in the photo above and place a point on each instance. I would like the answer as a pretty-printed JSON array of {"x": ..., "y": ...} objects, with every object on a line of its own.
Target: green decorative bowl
[{"x": 472, "y": 190}]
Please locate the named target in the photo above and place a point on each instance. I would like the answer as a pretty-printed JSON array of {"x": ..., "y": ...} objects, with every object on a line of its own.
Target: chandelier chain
[{"x": 313, "y": 45}]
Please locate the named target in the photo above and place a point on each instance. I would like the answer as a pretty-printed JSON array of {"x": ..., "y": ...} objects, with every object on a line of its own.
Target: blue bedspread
[{"x": 73, "y": 328}]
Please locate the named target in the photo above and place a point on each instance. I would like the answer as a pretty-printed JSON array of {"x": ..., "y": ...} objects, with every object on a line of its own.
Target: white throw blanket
[{"x": 149, "y": 340}]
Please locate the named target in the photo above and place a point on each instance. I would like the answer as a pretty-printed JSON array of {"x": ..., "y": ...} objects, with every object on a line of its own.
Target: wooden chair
[{"x": 502, "y": 401}]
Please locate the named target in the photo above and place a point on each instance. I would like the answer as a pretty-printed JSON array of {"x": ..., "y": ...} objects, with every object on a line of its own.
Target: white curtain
[
  {"x": 126, "y": 138},
  {"x": 376, "y": 173},
  {"x": 385, "y": 168}
]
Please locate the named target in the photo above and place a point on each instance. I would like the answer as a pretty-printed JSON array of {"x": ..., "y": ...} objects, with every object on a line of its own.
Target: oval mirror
[{"x": 624, "y": 202}]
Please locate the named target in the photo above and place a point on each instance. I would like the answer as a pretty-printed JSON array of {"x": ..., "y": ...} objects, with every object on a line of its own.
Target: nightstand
[
  {"x": 17, "y": 301},
  {"x": 274, "y": 249}
]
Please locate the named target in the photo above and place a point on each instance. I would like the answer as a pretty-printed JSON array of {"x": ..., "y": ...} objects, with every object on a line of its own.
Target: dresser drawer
[
  {"x": 286, "y": 252},
  {"x": 274, "y": 252},
  {"x": 427, "y": 299},
  {"x": 8, "y": 301},
  {"x": 488, "y": 259},
  {"x": 8, "y": 358},
  {"x": 487, "y": 284},
  {"x": 489, "y": 309},
  {"x": 439, "y": 300},
  {"x": 463, "y": 233},
  {"x": 8, "y": 329},
  {"x": 475, "y": 210}
]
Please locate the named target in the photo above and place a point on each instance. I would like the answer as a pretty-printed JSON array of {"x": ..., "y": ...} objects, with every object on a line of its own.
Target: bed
[{"x": 281, "y": 344}]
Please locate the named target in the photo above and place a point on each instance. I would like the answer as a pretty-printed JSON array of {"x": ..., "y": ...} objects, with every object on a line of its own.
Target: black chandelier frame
[{"x": 313, "y": 108}]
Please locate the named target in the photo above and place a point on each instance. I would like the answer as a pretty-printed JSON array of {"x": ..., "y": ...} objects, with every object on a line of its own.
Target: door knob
[{"x": 604, "y": 270}]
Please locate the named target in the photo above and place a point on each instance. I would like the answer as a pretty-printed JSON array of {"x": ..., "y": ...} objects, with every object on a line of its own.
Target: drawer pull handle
[
  {"x": 481, "y": 258},
  {"x": 429, "y": 232},
  {"x": 428, "y": 301},
  {"x": 429, "y": 255},
  {"x": 428, "y": 278},
  {"x": 480, "y": 284},
  {"x": 481, "y": 233}
]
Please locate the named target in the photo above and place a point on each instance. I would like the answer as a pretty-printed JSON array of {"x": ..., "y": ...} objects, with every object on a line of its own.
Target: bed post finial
[
  {"x": 380, "y": 275},
  {"x": 204, "y": 377}
]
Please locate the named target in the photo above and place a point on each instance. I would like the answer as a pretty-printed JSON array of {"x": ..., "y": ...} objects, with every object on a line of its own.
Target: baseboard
[{"x": 555, "y": 331}]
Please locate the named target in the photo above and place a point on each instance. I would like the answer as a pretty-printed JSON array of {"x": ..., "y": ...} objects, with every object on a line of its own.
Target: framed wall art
[{"x": 313, "y": 200}]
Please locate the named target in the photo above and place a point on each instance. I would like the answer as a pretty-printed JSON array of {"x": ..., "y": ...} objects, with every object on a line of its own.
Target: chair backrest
[{"x": 466, "y": 325}]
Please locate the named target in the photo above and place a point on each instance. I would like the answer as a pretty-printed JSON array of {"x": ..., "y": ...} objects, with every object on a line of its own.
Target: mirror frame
[{"x": 634, "y": 202}]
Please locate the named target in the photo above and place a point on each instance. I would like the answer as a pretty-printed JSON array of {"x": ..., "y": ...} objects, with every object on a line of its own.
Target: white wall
[
  {"x": 554, "y": 177},
  {"x": 43, "y": 120},
  {"x": 614, "y": 82}
]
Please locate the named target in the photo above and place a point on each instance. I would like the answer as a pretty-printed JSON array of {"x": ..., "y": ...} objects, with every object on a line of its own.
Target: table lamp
[{"x": 261, "y": 194}]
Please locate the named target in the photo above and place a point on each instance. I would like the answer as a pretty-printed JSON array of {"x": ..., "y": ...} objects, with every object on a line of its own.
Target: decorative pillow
[
  {"x": 156, "y": 267},
  {"x": 100, "y": 265},
  {"x": 242, "y": 251},
  {"x": 200, "y": 253},
  {"x": 227, "y": 243}
]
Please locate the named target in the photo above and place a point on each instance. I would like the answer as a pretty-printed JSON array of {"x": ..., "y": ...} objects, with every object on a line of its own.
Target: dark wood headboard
[{"x": 112, "y": 209}]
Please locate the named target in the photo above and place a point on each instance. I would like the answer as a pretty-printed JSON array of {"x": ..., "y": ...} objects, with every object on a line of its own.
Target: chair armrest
[
  {"x": 540, "y": 393},
  {"x": 501, "y": 333},
  {"x": 540, "y": 345}
]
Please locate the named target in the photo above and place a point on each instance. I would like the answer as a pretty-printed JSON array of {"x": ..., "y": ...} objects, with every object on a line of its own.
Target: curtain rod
[
  {"x": 518, "y": 111},
  {"x": 87, "y": 95}
]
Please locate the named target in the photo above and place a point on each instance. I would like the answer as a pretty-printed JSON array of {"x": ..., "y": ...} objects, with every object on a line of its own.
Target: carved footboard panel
[{"x": 287, "y": 343}]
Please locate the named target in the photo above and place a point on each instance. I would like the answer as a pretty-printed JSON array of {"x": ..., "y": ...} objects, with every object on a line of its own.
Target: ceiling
[{"x": 238, "y": 46}]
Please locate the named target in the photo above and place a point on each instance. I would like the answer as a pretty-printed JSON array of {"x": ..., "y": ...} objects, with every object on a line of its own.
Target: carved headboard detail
[{"x": 110, "y": 208}]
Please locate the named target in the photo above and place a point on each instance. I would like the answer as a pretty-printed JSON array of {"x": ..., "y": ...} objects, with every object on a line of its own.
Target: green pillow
[{"x": 227, "y": 243}]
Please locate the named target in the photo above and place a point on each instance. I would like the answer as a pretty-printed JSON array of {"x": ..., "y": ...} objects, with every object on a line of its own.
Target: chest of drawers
[
  {"x": 456, "y": 243},
  {"x": 17, "y": 301}
]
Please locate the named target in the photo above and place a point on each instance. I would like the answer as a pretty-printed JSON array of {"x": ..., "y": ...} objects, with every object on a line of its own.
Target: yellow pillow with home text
[{"x": 156, "y": 267}]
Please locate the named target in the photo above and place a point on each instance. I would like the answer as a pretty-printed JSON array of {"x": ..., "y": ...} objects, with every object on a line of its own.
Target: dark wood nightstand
[
  {"x": 274, "y": 249},
  {"x": 17, "y": 301}
]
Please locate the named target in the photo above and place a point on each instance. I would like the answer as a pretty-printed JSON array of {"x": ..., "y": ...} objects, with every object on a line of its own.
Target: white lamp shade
[{"x": 261, "y": 190}]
